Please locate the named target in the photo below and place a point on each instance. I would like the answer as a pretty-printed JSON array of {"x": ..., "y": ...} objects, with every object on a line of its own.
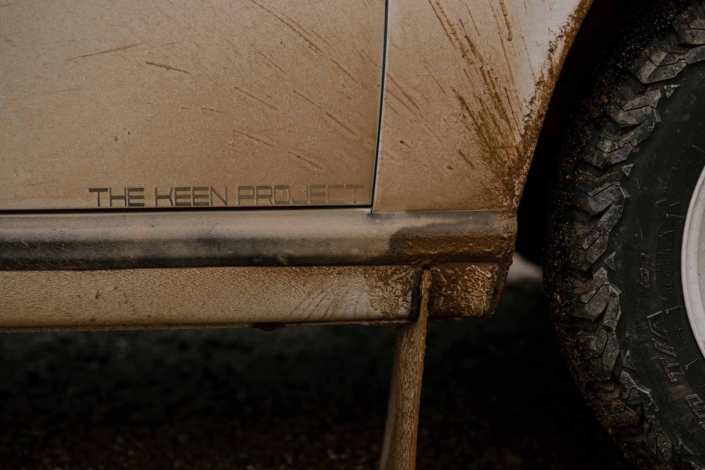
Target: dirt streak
[
  {"x": 430, "y": 2},
  {"x": 505, "y": 13}
]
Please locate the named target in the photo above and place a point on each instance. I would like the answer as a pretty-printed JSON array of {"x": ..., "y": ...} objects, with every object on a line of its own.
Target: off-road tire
[{"x": 627, "y": 172}]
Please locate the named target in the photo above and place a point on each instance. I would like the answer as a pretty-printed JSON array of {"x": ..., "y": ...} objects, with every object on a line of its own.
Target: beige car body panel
[
  {"x": 223, "y": 297},
  {"x": 166, "y": 98},
  {"x": 274, "y": 94},
  {"x": 466, "y": 89},
  {"x": 198, "y": 297}
]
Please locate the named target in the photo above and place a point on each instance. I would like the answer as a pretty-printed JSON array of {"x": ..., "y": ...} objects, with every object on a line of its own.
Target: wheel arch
[{"x": 601, "y": 28}]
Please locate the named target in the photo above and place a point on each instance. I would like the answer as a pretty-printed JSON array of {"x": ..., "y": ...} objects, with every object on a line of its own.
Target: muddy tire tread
[{"x": 588, "y": 303}]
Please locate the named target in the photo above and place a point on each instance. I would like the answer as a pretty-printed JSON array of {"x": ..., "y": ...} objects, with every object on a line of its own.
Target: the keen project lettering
[{"x": 211, "y": 196}]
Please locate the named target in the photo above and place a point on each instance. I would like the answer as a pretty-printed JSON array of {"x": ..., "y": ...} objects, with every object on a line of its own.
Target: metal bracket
[{"x": 401, "y": 432}]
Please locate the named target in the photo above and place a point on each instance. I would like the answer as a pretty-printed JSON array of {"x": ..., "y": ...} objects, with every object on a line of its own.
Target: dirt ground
[{"x": 496, "y": 396}]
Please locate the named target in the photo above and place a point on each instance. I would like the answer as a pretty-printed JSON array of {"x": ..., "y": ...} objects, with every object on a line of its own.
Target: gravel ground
[{"x": 496, "y": 396}]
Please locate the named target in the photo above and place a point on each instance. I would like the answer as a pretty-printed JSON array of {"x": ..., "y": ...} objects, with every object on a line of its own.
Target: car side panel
[
  {"x": 137, "y": 99},
  {"x": 466, "y": 88}
]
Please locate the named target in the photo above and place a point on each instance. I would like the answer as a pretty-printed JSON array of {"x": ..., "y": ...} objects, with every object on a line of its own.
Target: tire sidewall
[{"x": 657, "y": 345}]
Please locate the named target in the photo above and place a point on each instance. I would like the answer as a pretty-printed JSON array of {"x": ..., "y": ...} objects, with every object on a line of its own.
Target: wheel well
[{"x": 601, "y": 28}]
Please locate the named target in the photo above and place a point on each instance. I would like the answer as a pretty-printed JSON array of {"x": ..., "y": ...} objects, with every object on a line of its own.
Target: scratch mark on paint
[
  {"x": 389, "y": 105},
  {"x": 335, "y": 119},
  {"x": 514, "y": 113},
  {"x": 254, "y": 138},
  {"x": 509, "y": 63},
  {"x": 401, "y": 89},
  {"x": 467, "y": 159},
  {"x": 341, "y": 124},
  {"x": 311, "y": 44},
  {"x": 247, "y": 93},
  {"x": 274, "y": 64},
  {"x": 167, "y": 67},
  {"x": 345, "y": 71},
  {"x": 304, "y": 29},
  {"x": 472, "y": 19},
  {"x": 432, "y": 132},
  {"x": 430, "y": 72},
  {"x": 367, "y": 57},
  {"x": 528, "y": 58},
  {"x": 307, "y": 161},
  {"x": 116, "y": 49},
  {"x": 388, "y": 90}
]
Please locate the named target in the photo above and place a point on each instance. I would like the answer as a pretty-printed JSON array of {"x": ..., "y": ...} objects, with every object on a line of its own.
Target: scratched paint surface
[
  {"x": 466, "y": 86},
  {"x": 210, "y": 94}
]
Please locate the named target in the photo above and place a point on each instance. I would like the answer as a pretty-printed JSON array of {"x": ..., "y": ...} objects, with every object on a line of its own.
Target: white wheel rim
[{"x": 693, "y": 263}]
